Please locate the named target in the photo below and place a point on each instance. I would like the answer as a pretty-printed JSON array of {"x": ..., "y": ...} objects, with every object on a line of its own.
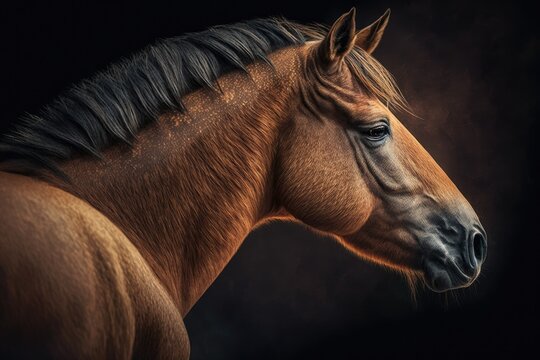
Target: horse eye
[{"x": 377, "y": 132}]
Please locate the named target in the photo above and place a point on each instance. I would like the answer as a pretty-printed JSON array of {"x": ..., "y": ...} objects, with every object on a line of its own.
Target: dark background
[{"x": 470, "y": 71}]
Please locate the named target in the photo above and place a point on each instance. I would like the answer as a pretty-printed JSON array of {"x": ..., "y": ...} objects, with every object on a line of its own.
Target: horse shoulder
[{"x": 73, "y": 285}]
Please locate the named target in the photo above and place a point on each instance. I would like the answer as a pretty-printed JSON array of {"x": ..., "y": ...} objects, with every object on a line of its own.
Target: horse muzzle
[{"x": 456, "y": 264}]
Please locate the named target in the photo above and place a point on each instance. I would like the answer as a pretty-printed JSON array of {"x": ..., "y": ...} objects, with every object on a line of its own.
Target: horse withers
[{"x": 127, "y": 196}]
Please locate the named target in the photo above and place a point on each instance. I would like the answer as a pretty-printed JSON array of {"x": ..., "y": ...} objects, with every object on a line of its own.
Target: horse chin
[{"x": 445, "y": 275}]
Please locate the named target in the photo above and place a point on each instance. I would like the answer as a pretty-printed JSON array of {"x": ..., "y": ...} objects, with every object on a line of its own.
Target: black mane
[{"x": 116, "y": 103}]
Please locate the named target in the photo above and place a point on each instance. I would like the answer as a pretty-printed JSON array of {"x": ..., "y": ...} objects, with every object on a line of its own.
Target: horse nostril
[{"x": 478, "y": 248}]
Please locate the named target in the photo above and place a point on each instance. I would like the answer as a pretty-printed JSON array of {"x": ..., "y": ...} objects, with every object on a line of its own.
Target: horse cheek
[{"x": 326, "y": 193}]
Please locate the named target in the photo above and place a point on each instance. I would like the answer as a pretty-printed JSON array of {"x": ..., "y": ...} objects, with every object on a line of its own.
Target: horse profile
[{"x": 126, "y": 197}]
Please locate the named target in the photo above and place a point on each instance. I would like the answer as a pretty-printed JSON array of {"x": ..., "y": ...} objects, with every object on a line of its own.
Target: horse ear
[
  {"x": 369, "y": 37},
  {"x": 339, "y": 40}
]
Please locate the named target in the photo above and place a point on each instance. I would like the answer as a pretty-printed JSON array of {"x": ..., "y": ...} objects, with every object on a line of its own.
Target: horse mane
[{"x": 116, "y": 103}]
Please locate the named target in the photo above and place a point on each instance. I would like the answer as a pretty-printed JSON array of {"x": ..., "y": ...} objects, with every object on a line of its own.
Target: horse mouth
[{"x": 446, "y": 274}]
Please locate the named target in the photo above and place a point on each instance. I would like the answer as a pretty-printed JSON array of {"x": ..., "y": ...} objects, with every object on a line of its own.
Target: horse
[{"x": 125, "y": 198}]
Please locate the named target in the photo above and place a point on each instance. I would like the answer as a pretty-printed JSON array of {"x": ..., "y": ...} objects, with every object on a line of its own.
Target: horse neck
[{"x": 194, "y": 184}]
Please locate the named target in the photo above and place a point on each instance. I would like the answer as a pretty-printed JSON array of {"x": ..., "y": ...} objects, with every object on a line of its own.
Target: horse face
[{"x": 350, "y": 168}]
